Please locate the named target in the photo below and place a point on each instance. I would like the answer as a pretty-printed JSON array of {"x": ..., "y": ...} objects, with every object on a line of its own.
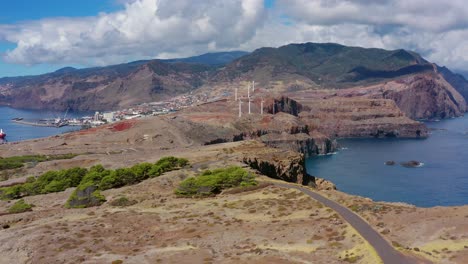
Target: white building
[{"x": 109, "y": 117}]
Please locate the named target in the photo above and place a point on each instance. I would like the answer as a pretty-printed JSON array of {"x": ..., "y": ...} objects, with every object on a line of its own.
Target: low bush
[
  {"x": 49, "y": 182},
  {"x": 20, "y": 207},
  {"x": 85, "y": 195},
  {"x": 122, "y": 202},
  {"x": 96, "y": 178},
  {"x": 211, "y": 182},
  {"x": 103, "y": 179},
  {"x": 18, "y": 161}
]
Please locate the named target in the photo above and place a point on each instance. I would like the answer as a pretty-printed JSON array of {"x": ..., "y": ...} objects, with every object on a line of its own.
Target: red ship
[{"x": 2, "y": 134}]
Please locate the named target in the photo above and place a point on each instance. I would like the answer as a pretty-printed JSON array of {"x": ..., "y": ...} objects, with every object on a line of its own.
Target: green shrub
[
  {"x": 213, "y": 182},
  {"x": 90, "y": 182},
  {"x": 122, "y": 202},
  {"x": 51, "y": 181},
  {"x": 172, "y": 162},
  {"x": 19, "y": 207},
  {"x": 18, "y": 161},
  {"x": 85, "y": 195},
  {"x": 142, "y": 170}
]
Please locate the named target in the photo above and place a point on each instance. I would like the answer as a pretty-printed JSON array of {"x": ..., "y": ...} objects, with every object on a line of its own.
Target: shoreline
[{"x": 62, "y": 138}]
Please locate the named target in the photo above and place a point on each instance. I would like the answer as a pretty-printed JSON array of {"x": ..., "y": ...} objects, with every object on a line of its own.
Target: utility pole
[
  {"x": 240, "y": 108},
  {"x": 250, "y": 100},
  {"x": 261, "y": 107},
  {"x": 253, "y": 86},
  {"x": 236, "y": 94},
  {"x": 248, "y": 90}
]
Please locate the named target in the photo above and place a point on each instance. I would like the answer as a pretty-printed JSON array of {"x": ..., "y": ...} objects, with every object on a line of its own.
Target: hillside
[
  {"x": 289, "y": 68},
  {"x": 112, "y": 87},
  {"x": 329, "y": 65},
  {"x": 103, "y": 88}
]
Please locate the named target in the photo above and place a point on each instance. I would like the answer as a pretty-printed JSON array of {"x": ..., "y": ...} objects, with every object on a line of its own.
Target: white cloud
[
  {"x": 436, "y": 29},
  {"x": 173, "y": 28},
  {"x": 144, "y": 29}
]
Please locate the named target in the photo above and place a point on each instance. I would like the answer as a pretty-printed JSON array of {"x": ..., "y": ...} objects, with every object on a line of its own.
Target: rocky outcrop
[
  {"x": 286, "y": 166},
  {"x": 360, "y": 117},
  {"x": 284, "y": 104},
  {"x": 456, "y": 80},
  {"x": 301, "y": 142},
  {"x": 427, "y": 97},
  {"x": 322, "y": 184}
]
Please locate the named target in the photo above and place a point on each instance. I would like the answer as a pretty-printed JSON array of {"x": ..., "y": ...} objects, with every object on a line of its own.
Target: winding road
[{"x": 387, "y": 253}]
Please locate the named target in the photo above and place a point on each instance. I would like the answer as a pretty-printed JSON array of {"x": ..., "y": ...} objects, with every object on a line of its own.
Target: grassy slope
[{"x": 327, "y": 63}]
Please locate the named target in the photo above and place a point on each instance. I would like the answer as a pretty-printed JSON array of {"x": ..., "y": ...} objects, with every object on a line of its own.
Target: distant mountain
[
  {"x": 326, "y": 64},
  {"x": 463, "y": 73},
  {"x": 103, "y": 88},
  {"x": 215, "y": 59},
  {"x": 294, "y": 66},
  {"x": 458, "y": 81}
]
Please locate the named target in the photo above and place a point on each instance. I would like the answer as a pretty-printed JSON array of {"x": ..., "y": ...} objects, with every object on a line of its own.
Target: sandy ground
[{"x": 268, "y": 225}]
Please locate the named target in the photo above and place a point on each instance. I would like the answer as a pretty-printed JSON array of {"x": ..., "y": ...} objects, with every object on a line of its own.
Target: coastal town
[{"x": 139, "y": 111}]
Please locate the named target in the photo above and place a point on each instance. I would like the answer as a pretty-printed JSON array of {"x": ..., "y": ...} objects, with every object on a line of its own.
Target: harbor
[{"x": 40, "y": 124}]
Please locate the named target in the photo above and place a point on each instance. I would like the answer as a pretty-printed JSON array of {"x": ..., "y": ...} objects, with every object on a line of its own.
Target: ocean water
[
  {"x": 18, "y": 132},
  {"x": 359, "y": 167}
]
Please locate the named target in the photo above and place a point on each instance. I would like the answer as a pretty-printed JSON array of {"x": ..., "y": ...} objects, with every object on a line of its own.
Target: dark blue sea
[
  {"x": 18, "y": 132},
  {"x": 359, "y": 167}
]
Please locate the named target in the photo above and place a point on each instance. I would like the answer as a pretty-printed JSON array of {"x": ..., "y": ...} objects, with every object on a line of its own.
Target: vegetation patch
[
  {"x": 19, "y": 161},
  {"x": 98, "y": 179},
  {"x": 90, "y": 182},
  {"x": 85, "y": 196},
  {"x": 212, "y": 182},
  {"x": 49, "y": 182},
  {"x": 20, "y": 207},
  {"x": 122, "y": 202}
]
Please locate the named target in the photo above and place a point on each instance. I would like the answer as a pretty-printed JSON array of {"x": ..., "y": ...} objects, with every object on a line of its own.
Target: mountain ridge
[{"x": 312, "y": 65}]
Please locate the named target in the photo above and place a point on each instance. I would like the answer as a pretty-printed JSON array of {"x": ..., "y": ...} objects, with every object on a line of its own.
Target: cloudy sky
[{"x": 41, "y": 36}]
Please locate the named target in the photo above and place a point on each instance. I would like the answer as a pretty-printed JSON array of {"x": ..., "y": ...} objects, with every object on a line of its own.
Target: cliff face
[
  {"x": 288, "y": 168},
  {"x": 421, "y": 96},
  {"x": 427, "y": 97},
  {"x": 456, "y": 80},
  {"x": 303, "y": 143},
  {"x": 284, "y": 165},
  {"x": 284, "y": 104},
  {"x": 359, "y": 117}
]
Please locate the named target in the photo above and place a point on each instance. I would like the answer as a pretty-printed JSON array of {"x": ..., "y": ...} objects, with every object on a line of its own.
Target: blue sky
[
  {"x": 38, "y": 36},
  {"x": 14, "y": 11},
  {"x": 18, "y": 11}
]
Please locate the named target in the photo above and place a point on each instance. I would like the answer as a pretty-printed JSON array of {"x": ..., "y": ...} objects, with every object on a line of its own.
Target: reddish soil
[{"x": 122, "y": 126}]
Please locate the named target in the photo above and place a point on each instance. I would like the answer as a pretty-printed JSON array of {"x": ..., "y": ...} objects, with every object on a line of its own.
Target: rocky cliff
[
  {"x": 284, "y": 165},
  {"x": 358, "y": 117},
  {"x": 277, "y": 165},
  {"x": 309, "y": 145},
  {"x": 427, "y": 97},
  {"x": 421, "y": 96}
]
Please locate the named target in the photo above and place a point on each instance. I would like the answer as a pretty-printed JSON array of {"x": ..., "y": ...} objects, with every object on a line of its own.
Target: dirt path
[{"x": 386, "y": 252}]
